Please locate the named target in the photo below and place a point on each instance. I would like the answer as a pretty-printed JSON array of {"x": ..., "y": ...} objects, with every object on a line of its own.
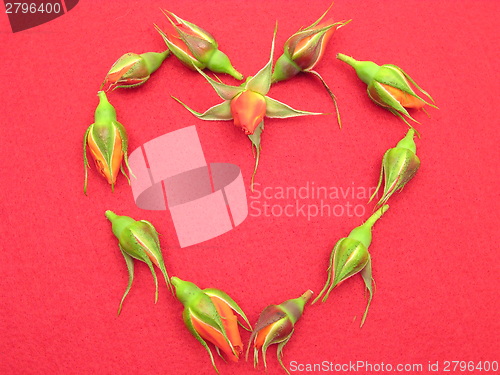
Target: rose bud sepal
[
  {"x": 133, "y": 70},
  {"x": 399, "y": 165},
  {"x": 389, "y": 86},
  {"x": 255, "y": 138},
  {"x": 108, "y": 143},
  {"x": 276, "y": 325},
  {"x": 138, "y": 240},
  {"x": 350, "y": 256},
  {"x": 195, "y": 47},
  {"x": 209, "y": 316}
]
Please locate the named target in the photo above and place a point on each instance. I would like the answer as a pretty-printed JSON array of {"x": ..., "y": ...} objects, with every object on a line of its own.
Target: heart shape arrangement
[{"x": 210, "y": 314}]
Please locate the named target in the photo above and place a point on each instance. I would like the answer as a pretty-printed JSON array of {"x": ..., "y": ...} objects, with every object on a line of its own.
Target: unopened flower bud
[
  {"x": 304, "y": 50},
  {"x": 276, "y": 325},
  {"x": 108, "y": 143},
  {"x": 389, "y": 86},
  {"x": 350, "y": 256},
  {"x": 132, "y": 70},
  {"x": 399, "y": 165},
  {"x": 211, "y": 315},
  {"x": 138, "y": 240},
  {"x": 195, "y": 47}
]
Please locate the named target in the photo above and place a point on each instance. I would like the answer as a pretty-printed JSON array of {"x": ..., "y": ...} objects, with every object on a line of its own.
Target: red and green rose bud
[
  {"x": 304, "y": 50},
  {"x": 132, "y": 70},
  {"x": 138, "y": 240},
  {"x": 248, "y": 104},
  {"x": 276, "y": 325},
  {"x": 248, "y": 109},
  {"x": 389, "y": 86},
  {"x": 399, "y": 165},
  {"x": 107, "y": 141},
  {"x": 350, "y": 256},
  {"x": 195, "y": 47},
  {"x": 211, "y": 315}
]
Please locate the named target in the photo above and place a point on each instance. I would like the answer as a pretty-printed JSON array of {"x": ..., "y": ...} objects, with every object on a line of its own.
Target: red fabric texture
[{"x": 434, "y": 252}]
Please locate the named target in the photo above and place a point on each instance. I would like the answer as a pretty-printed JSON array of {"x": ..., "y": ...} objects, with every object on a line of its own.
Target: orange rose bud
[
  {"x": 276, "y": 325},
  {"x": 230, "y": 323},
  {"x": 389, "y": 87},
  {"x": 99, "y": 132},
  {"x": 107, "y": 141},
  {"x": 407, "y": 101},
  {"x": 211, "y": 315},
  {"x": 248, "y": 109}
]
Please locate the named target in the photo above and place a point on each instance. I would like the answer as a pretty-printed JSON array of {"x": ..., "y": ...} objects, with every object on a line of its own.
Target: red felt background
[{"x": 435, "y": 252}]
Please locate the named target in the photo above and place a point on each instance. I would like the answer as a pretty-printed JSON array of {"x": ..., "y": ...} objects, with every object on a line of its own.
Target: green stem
[
  {"x": 408, "y": 142},
  {"x": 111, "y": 215},
  {"x": 363, "y": 233},
  {"x": 366, "y": 70},
  {"x": 347, "y": 59},
  {"x": 376, "y": 215},
  {"x": 153, "y": 60},
  {"x": 104, "y": 111}
]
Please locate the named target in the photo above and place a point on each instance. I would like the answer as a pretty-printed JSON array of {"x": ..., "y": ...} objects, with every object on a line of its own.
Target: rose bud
[
  {"x": 132, "y": 70},
  {"x": 350, "y": 256},
  {"x": 195, "y": 47},
  {"x": 389, "y": 86},
  {"x": 248, "y": 104},
  {"x": 275, "y": 326},
  {"x": 209, "y": 316},
  {"x": 304, "y": 50},
  {"x": 399, "y": 165},
  {"x": 108, "y": 143},
  {"x": 138, "y": 240}
]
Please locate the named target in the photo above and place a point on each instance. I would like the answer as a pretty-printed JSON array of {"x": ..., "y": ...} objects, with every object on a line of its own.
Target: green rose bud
[
  {"x": 139, "y": 240},
  {"x": 350, "y": 256},
  {"x": 195, "y": 47},
  {"x": 399, "y": 165},
  {"x": 389, "y": 86},
  {"x": 133, "y": 70}
]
